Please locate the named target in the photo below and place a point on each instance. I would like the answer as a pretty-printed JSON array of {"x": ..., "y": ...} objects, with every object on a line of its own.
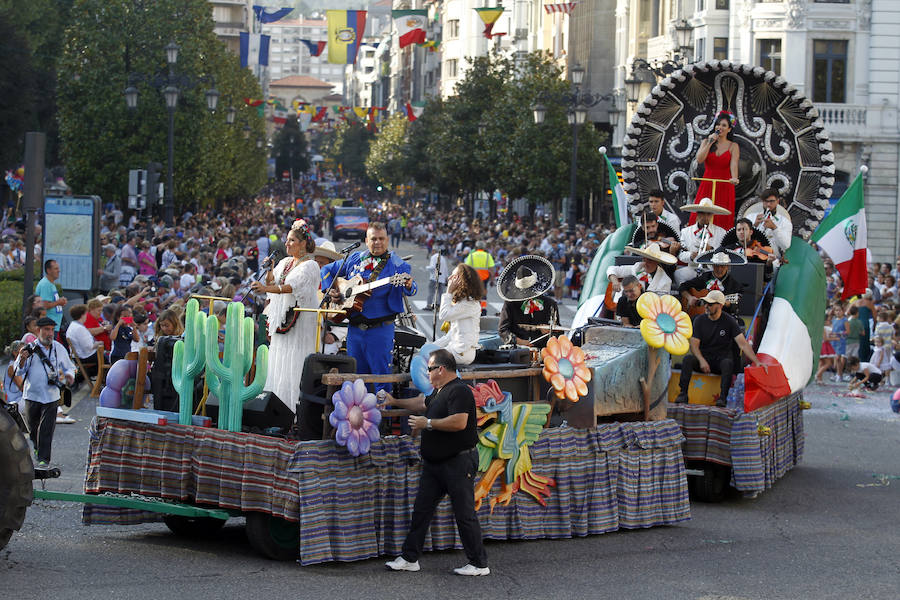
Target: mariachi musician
[
  {"x": 720, "y": 278},
  {"x": 699, "y": 238},
  {"x": 529, "y": 311},
  {"x": 766, "y": 218},
  {"x": 370, "y": 334}
]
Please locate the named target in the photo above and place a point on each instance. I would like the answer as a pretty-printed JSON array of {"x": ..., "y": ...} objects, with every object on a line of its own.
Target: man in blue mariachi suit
[{"x": 370, "y": 335}]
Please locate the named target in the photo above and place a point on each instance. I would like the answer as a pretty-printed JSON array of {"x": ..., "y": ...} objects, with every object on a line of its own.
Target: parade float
[{"x": 758, "y": 437}]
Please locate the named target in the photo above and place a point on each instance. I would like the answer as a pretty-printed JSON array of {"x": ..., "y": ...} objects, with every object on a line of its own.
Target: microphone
[
  {"x": 352, "y": 246},
  {"x": 267, "y": 260}
]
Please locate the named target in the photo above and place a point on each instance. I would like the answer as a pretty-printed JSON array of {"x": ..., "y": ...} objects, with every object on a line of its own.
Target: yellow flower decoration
[
  {"x": 664, "y": 324},
  {"x": 564, "y": 368}
]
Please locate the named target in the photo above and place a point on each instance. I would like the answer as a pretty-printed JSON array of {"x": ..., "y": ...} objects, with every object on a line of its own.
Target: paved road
[{"x": 827, "y": 530}]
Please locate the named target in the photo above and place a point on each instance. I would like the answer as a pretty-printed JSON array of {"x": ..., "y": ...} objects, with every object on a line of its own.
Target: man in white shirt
[
  {"x": 777, "y": 227},
  {"x": 81, "y": 342},
  {"x": 648, "y": 272},
  {"x": 701, "y": 237},
  {"x": 435, "y": 279}
]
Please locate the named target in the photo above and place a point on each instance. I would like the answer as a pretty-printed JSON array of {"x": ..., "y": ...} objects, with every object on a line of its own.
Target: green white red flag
[
  {"x": 410, "y": 26},
  {"x": 620, "y": 203},
  {"x": 843, "y": 237}
]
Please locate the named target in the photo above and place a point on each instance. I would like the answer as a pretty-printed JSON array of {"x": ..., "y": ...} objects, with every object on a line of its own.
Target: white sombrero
[
  {"x": 653, "y": 252},
  {"x": 706, "y": 206},
  {"x": 326, "y": 250},
  {"x": 721, "y": 257}
]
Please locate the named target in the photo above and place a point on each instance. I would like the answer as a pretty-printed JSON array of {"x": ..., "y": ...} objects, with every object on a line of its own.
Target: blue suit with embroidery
[{"x": 372, "y": 348}]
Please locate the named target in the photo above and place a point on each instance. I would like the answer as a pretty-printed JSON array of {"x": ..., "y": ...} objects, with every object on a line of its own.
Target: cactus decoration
[
  {"x": 189, "y": 359},
  {"x": 225, "y": 376}
]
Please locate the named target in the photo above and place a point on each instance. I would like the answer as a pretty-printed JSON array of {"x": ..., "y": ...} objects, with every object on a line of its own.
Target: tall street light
[
  {"x": 576, "y": 103},
  {"x": 171, "y": 85}
]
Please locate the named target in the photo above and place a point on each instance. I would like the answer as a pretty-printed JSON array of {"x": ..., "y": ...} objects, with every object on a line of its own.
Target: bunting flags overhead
[
  {"x": 489, "y": 16},
  {"x": 432, "y": 45},
  {"x": 411, "y": 25},
  {"x": 345, "y": 32},
  {"x": 254, "y": 49},
  {"x": 414, "y": 110},
  {"x": 315, "y": 48},
  {"x": 264, "y": 16},
  {"x": 565, "y": 8}
]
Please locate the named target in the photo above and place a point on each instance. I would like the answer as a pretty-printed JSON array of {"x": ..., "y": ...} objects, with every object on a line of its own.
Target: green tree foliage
[
  {"x": 30, "y": 42},
  {"x": 289, "y": 149},
  {"x": 387, "y": 160},
  {"x": 109, "y": 39},
  {"x": 349, "y": 147}
]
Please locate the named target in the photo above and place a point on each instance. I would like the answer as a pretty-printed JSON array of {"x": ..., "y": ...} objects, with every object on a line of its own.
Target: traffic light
[{"x": 152, "y": 184}]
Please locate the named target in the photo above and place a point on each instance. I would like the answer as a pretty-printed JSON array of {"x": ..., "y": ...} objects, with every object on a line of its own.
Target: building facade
[
  {"x": 288, "y": 55},
  {"x": 230, "y": 18}
]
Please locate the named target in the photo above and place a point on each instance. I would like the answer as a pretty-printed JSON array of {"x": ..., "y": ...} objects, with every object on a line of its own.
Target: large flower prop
[
  {"x": 355, "y": 417},
  {"x": 664, "y": 324},
  {"x": 564, "y": 368}
]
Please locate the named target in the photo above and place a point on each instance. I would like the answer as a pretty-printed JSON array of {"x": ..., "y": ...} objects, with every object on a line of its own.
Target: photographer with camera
[{"x": 45, "y": 367}]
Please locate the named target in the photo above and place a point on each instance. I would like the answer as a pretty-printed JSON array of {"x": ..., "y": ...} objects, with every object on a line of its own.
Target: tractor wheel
[
  {"x": 273, "y": 537},
  {"x": 16, "y": 474},
  {"x": 193, "y": 527},
  {"x": 712, "y": 486}
]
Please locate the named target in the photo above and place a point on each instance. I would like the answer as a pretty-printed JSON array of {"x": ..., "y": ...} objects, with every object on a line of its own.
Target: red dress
[{"x": 717, "y": 167}]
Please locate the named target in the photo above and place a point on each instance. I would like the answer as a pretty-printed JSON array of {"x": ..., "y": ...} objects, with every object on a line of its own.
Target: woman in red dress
[{"x": 720, "y": 155}]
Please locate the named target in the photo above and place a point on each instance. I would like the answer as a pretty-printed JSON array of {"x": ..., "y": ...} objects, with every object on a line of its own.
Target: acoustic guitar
[
  {"x": 697, "y": 309},
  {"x": 355, "y": 291}
]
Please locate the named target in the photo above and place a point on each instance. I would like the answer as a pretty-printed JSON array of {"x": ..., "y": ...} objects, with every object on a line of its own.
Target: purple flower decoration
[{"x": 355, "y": 417}]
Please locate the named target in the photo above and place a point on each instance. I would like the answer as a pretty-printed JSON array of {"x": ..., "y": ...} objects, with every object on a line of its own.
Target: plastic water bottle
[{"x": 735, "y": 398}]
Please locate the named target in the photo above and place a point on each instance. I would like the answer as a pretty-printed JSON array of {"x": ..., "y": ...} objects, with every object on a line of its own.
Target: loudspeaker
[
  {"x": 313, "y": 392},
  {"x": 751, "y": 276},
  {"x": 264, "y": 411},
  {"x": 164, "y": 395}
]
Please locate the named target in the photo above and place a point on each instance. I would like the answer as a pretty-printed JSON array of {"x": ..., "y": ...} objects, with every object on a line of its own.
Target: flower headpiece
[
  {"x": 728, "y": 115},
  {"x": 302, "y": 227}
]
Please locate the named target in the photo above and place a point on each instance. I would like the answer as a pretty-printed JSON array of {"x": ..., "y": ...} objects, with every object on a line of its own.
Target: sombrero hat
[
  {"x": 525, "y": 277},
  {"x": 662, "y": 228},
  {"x": 730, "y": 237},
  {"x": 720, "y": 257},
  {"x": 326, "y": 250},
  {"x": 706, "y": 206},
  {"x": 653, "y": 252}
]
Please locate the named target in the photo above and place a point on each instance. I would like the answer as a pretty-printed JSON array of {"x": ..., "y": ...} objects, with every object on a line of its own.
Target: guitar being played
[
  {"x": 352, "y": 293},
  {"x": 720, "y": 279}
]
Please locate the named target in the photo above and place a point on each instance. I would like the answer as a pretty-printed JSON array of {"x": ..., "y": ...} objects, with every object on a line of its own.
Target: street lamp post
[
  {"x": 171, "y": 85},
  {"x": 577, "y": 103}
]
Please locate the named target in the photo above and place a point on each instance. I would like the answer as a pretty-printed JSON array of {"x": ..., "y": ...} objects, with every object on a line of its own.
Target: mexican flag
[
  {"x": 411, "y": 25},
  {"x": 792, "y": 340},
  {"x": 620, "y": 204},
  {"x": 842, "y": 235},
  {"x": 595, "y": 280}
]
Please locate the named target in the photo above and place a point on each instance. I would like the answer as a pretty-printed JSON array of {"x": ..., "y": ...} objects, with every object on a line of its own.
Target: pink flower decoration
[{"x": 355, "y": 417}]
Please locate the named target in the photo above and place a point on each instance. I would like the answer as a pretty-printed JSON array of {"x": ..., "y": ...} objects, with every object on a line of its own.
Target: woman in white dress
[
  {"x": 292, "y": 283},
  {"x": 461, "y": 307}
]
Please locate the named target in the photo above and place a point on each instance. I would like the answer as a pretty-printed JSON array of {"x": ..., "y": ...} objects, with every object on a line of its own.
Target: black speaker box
[
  {"x": 313, "y": 393},
  {"x": 164, "y": 395},
  {"x": 264, "y": 411}
]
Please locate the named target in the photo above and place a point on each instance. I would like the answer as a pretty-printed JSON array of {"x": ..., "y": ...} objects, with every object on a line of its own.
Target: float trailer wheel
[
  {"x": 16, "y": 473},
  {"x": 272, "y": 537}
]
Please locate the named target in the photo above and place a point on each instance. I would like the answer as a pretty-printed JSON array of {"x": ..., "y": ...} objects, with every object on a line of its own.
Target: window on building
[
  {"x": 452, "y": 29},
  {"x": 451, "y": 67},
  {"x": 700, "y": 48},
  {"x": 701, "y": 5},
  {"x": 829, "y": 70},
  {"x": 720, "y": 48},
  {"x": 721, "y": 4},
  {"x": 770, "y": 55},
  {"x": 832, "y": 1}
]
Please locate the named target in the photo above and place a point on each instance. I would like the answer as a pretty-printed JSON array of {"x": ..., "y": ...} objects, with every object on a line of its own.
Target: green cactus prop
[
  {"x": 227, "y": 381},
  {"x": 189, "y": 359}
]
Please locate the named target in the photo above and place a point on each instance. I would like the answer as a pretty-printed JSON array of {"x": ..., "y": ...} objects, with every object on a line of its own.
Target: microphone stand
[
  {"x": 262, "y": 273},
  {"x": 437, "y": 293}
]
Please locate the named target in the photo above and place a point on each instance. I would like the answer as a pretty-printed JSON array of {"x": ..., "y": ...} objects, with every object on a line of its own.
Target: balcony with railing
[{"x": 844, "y": 122}]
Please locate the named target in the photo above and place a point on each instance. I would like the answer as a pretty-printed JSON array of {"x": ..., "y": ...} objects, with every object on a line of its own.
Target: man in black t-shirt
[
  {"x": 449, "y": 463},
  {"x": 626, "y": 308},
  {"x": 715, "y": 332}
]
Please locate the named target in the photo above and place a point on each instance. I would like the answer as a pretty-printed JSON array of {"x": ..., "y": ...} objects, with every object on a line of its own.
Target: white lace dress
[{"x": 287, "y": 351}]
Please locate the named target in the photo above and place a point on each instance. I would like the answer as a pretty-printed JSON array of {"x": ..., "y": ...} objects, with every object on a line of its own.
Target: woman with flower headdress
[
  {"x": 720, "y": 155},
  {"x": 294, "y": 282}
]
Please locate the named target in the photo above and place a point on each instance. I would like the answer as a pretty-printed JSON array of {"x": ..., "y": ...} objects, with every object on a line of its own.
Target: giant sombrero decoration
[{"x": 782, "y": 141}]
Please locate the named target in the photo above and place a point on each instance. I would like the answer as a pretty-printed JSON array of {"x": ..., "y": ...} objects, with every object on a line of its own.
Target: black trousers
[
  {"x": 722, "y": 366},
  {"x": 41, "y": 425},
  {"x": 454, "y": 477}
]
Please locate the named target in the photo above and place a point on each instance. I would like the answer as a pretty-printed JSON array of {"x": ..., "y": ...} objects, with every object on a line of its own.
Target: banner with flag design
[
  {"x": 315, "y": 48},
  {"x": 620, "y": 203},
  {"x": 345, "y": 32},
  {"x": 264, "y": 16},
  {"x": 254, "y": 49},
  {"x": 843, "y": 236},
  {"x": 489, "y": 16},
  {"x": 410, "y": 26},
  {"x": 565, "y": 8}
]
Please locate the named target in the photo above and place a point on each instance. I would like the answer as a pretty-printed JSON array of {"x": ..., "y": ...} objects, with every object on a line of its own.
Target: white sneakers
[
  {"x": 472, "y": 571},
  {"x": 401, "y": 564}
]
